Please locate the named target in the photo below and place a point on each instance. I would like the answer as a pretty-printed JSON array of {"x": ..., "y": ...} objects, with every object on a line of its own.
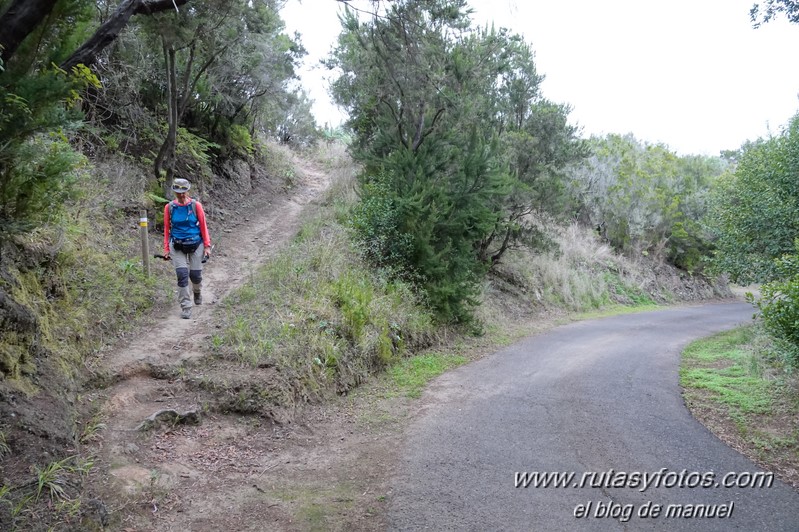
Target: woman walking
[{"x": 187, "y": 243}]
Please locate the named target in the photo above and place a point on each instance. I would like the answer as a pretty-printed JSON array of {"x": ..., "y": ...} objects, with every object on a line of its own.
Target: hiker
[{"x": 187, "y": 243}]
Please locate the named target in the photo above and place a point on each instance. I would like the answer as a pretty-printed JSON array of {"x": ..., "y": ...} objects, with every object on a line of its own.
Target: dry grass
[{"x": 582, "y": 274}]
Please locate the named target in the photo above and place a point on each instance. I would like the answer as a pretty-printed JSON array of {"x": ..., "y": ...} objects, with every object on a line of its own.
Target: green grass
[
  {"x": 318, "y": 315},
  {"x": 411, "y": 375},
  {"x": 721, "y": 365},
  {"x": 731, "y": 380},
  {"x": 614, "y": 310}
]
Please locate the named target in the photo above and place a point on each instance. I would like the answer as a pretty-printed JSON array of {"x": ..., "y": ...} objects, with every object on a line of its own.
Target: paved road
[{"x": 592, "y": 396}]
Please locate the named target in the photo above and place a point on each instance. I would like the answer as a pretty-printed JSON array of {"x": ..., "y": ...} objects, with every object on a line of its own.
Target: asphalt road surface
[{"x": 599, "y": 399}]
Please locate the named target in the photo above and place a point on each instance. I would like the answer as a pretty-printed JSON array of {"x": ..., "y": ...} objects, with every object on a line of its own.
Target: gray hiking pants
[{"x": 188, "y": 267}]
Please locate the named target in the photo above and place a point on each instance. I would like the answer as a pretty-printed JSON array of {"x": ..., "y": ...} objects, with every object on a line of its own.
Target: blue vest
[{"x": 183, "y": 224}]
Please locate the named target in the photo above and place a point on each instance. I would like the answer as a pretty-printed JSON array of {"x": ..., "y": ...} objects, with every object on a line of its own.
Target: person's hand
[
  {"x": 166, "y": 256},
  {"x": 207, "y": 253}
]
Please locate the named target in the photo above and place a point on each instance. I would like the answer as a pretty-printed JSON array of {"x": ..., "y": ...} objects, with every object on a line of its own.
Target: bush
[
  {"x": 37, "y": 164},
  {"x": 779, "y": 307},
  {"x": 376, "y": 221},
  {"x": 755, "y": 211}
]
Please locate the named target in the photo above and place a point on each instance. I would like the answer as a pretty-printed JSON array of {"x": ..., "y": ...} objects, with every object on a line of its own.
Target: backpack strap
[{"x": 172, "y": 210}]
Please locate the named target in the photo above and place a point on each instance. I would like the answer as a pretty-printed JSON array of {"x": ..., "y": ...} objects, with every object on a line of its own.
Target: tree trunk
[
  {"x": 109, "y": 31},
  {"x": 495, "y": 258},
  {"x": 177, "y": 104},
  {"x": 19, "y": 20},
  {"x": 165, "y": 161}
]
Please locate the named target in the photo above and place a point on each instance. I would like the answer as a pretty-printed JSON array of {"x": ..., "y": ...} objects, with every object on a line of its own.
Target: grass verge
[
  {"x": 411, "y": 375},
  {"x": 735, "y": 387}
]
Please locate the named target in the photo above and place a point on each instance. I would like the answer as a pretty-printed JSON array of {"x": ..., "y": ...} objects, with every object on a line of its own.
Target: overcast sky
[{"x": 692, "y": 74}]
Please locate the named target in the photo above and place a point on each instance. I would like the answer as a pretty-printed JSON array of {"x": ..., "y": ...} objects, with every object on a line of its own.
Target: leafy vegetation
[
  {"x": 411, "y": 375},
  {"x": 321, "y": 317},
  {"x": 755, "y": 215},
  {"x": 779, "y": 307},
  {"x": 83, "y": 147},
  {"x": 458, "y": 145},
  {"x": 755, "y": 210},
  {"x": 737, "y": 387},
  {"x": 645, "y": 199}
]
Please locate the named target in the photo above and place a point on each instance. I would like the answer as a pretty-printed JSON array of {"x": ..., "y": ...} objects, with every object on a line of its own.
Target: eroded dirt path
[
  {"x": 225, "y": 472},
  {"x": 256, "y": 235}
]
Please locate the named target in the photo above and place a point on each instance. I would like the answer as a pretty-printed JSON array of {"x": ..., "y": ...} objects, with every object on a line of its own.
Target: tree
[
  {"x": 645, "y": 199},
  {"x": 40, "y": 108},
  {"x": 458, "y": 144},
  {"x": 761, "y": 14},
  {"x": 417, "y": 130},
  {"x": 18, "y": 21},
  {"x": 755, "y": 210},
  {"x": 189, "y": 82},
  {"x": 22, "y": 17}
]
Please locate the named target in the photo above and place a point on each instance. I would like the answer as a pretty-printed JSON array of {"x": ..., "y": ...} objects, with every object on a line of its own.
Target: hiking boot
[
  {"x": 198, "y": 298},
  {"x": 186, "y": 313}
]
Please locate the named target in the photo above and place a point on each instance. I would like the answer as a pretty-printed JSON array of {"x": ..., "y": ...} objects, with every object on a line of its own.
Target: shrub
[
  {"x": 241, "y": 139},
  {"x": 376, "y": 223},
  {"x": 37, "y": 164},
  {"x": 779, "y": 307}
]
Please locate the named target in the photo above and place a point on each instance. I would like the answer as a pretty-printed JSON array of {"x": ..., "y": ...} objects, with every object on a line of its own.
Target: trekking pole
[{"x": 145, "y": 244}]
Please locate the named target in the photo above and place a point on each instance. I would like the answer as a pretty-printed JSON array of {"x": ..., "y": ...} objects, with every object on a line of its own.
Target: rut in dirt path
[{"x": 263, "y": 229}]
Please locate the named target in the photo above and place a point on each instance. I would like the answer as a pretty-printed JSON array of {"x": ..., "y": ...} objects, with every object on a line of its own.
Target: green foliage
[
  {"x": 320, "y": 316},
  {"x": 459, "y": 146},
  {"x": 237, "y": 58},
  {"x": 411, "y": 375},
  {"x": 331, "y": 135},
  {"x": 36, "y": 183},
  {"x": 37, "y": 164},
  {"x": 442, "y": 211},
  {"x": 645, "y": 199},
  {"x": 57, "y": 36},
  {"x": 55, "y": 485},
  {"x": 298, "y": 127},
  {"x": 353, "y": 295},
  {"x": 80, "y": 283},
  {"x": 732, "y": 378},
  {"x": 755, "y": 210},
  {"x": 376, "y": 220},
  {"x": 194, "y": 154},
  {"x": 779, "y": 307},
  {"x": 240, "y": 139},
  {"x": 720, "y": 365}
]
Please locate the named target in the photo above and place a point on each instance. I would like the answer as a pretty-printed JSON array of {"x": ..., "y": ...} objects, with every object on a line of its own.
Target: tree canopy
[
  {"x": 762, "y": 13},
  {"x": 179, "y": 85},
  {"x": 755, "y": 210},
  {"x": 458, "y": 143}
]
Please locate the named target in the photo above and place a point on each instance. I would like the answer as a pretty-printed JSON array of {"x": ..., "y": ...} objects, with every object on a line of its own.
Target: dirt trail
[
  {"x": 237, "y": 251},
  {"x": 227, "y": 472}
]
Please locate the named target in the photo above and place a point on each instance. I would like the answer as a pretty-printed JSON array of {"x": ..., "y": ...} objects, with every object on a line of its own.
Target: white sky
[{"x": 692, "y": 74}]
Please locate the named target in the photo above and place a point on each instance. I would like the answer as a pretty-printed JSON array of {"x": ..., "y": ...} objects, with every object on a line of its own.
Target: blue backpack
[{"x": 187, "y": 237}]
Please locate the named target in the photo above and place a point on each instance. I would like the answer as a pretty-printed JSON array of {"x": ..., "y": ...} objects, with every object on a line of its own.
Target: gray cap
[{"x": 181, "y": 185}]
